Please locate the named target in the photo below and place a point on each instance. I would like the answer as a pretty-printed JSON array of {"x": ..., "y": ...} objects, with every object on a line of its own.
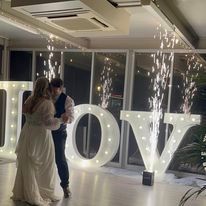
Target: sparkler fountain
[
  {"x": 106, "y": 83},
  {"x": 189, "y": 88},
  {"x": 161, "y": 71},
  {"x": 54, "y": 68},
  {"x": 189, "y": 85}
]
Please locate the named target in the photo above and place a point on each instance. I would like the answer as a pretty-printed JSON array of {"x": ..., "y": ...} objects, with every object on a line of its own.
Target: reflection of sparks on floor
[
  {"x": 159, "y": 78},
  {"x": 106, "y": 83}
]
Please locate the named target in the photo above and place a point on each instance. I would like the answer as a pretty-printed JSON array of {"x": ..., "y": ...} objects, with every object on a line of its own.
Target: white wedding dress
[{"x": 36, "y": 168}]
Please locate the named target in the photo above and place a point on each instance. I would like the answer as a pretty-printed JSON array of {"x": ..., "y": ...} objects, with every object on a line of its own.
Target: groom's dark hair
[{"x": 56, "y": 82}]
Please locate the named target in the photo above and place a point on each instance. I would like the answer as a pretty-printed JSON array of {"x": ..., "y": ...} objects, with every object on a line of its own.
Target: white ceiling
[
  {"x": 195, "y": 13},
  {"x": 142, "y": 27},
  {"x": 11, "y": 32},
  {"x": 142, "y": 23}
]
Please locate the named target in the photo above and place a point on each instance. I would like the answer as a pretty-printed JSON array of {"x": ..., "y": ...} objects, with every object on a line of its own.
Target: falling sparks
[
  {"x": 105, "y": 89},
  {"x": 51, "y": 67}
]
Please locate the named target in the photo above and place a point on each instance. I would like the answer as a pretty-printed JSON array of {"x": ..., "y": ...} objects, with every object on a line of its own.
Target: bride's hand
[{"x": 64, "y": 118}]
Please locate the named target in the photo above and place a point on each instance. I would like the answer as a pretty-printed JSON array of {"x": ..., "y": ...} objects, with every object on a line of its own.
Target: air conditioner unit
[{"x": 80, "y": 18}]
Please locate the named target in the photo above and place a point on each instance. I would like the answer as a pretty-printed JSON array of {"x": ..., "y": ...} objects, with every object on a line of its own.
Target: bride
[{"x": 36, "y": 171}]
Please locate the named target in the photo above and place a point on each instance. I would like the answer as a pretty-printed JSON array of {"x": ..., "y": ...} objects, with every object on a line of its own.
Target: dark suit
[{"x": 59, "y": 137}]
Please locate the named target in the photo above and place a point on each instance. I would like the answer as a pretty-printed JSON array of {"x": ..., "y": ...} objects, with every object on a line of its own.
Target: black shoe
[{"x": 67, "y": 192}]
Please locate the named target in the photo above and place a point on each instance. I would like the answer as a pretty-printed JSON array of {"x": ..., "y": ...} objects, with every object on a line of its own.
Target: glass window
[
  {"x": 77, "y": 78},
  {"x": 21, "y": 70},
  {"x": 188, "y": 96},
  {"x": 108, "y": 91},
  {"x": 48, "y": 64},
  {"x": 188, "y": 84},
  {"x": 20, "y": 65},
  {"x": 77, "y": 75}
]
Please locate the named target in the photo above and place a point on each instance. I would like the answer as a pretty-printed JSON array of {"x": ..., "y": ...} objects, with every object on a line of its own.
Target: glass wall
[
  {"x": 77, "y": 75},
  {"x": 189, "y": 96},
  {"x": 108, "y": 92},
  {"x": 77, "y": 79},
  {"x": 188, "y": 91},
  {"x": 189, "y": 84}
]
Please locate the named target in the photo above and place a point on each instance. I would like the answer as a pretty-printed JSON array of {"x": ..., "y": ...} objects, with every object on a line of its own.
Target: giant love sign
[{"x": 139, "y": 121}]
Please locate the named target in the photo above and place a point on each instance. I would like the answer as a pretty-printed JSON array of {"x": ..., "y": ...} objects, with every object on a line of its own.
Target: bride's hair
[
  {"x": 41, "y": 88},
  {"x": 40, "y": 91}
]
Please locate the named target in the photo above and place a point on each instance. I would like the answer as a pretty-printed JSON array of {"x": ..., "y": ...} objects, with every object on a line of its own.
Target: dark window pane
[
  {"x": 108, "y": 90},
  {"x": 77, "y": 77},
  {"x": 21, "y": 66},
  {"x": 189, "y": 96}
]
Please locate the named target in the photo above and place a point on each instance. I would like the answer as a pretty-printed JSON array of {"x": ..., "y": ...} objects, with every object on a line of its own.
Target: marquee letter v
[{"x": 140, "y": 123}]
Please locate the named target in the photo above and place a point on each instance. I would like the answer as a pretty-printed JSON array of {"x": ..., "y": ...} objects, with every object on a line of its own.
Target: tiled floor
[{"x": 100, "y": 188}]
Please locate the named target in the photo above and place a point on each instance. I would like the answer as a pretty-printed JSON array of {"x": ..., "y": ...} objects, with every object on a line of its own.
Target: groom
[{"x": 63, "y": 104}]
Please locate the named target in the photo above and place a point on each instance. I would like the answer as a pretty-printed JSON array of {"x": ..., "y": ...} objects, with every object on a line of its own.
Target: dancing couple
[{"x": 42, "y": 142}]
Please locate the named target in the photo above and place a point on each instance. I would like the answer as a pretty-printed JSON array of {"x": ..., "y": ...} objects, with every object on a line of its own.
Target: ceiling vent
[{"x": 80, "y": 18}]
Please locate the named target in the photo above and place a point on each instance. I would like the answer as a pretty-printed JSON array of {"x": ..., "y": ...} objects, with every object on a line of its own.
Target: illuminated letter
[
  {"x": 14, "y": 93},
  {"x": 140, "y": 123},
  {"x": 181, "y": 123},
  {"x": 109, "y": 137}
]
